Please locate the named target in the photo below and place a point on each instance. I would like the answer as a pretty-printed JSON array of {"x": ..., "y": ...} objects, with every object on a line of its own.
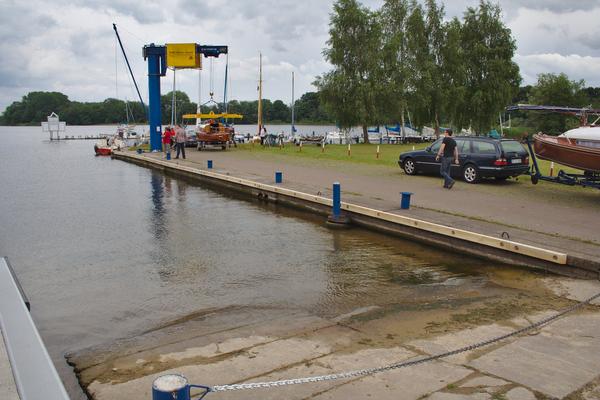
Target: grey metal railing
[{"x": 34, "y": 373}]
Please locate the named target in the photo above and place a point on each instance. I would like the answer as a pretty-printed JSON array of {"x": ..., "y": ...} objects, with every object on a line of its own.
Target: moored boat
[{"x": 102, "y": 150}]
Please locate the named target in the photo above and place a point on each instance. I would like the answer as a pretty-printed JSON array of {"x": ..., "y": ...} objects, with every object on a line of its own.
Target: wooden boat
[
  {"x": 215, "y": 133},
  {"x": 568, "y": 151}
]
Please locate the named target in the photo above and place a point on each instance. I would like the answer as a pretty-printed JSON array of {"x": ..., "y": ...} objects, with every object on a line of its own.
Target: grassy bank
[{"x": 359, "y": 153}]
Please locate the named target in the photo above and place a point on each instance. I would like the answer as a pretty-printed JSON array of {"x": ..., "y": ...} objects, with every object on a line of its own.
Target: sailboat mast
[
  {"x": 260, "y": 121},
  {"x": 292, "y": 128},
  {"x": 199, "y": 107}
]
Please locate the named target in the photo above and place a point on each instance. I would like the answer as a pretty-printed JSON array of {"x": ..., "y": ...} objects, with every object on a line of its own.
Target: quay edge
[{"x": 456, "y": 240}]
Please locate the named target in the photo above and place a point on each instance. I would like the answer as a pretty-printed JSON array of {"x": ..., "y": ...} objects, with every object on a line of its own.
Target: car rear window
[
  {"x": 510, "y": 146},
  {"x": 480, "y": 147}
]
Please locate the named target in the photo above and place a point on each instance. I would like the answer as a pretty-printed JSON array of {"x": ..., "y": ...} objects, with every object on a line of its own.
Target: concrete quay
[{"x": 504, "y": 222}]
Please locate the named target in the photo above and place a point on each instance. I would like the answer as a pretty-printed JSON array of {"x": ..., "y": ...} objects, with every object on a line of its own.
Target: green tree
[
  {"x": 393, "y": 16},
  {"x": 556, "y": 90},
  {"x": 35, "y": 107},
  {"x": 492, "y": 78},
  {"x": 351, "y": 90}
]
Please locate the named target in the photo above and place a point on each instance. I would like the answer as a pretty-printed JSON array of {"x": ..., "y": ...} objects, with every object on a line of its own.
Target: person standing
[
  {"x": 447, "y": 152},
  {"x": 166, "y": 139},
  {"x": 180, "y": 140}
]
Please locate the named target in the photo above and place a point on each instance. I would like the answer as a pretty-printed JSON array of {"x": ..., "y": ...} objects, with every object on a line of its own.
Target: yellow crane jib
[{"x": 212, "y": 115}]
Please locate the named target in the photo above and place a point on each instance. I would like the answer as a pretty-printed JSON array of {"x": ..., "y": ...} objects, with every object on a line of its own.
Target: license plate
[{"x": 517, "y": 161}]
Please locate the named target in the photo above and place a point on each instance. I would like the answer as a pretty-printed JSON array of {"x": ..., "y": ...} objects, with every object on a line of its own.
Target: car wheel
[
  {"x": 409, "y": 166},
  {"x": 471, "y": 173}
]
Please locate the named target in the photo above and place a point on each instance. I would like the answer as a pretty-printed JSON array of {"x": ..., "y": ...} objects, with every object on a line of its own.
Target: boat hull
[
  {"x": 213, "y": 137},
  {"x": 567, "y": 152},
  {"x": 102, "y": 151}
]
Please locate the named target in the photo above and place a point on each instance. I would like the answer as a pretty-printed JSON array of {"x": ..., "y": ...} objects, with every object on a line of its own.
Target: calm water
[{"x": 105, "y": 249}]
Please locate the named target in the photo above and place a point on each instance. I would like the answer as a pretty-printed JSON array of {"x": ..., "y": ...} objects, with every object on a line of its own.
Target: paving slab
[
  {"x": 455, "y": 396},
  {"x": 574, "y": 289},
  {"x": 452, "y": 341},
  {"x": 484, "y": 381},
  {"x": 551, "y": 364},
  {"x": 519, "y": 393},
  {"x": 405, "y": 383},
  {"x": 255, "y": 362}
]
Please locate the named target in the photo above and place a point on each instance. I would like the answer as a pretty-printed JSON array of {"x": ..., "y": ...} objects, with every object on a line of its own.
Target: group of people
[{"x": 177, "y": 135}]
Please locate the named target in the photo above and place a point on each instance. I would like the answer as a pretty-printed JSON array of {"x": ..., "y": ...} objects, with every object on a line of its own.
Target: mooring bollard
[
  {"x": 168, "y": 155},
  {"x": 278, "y": 176},
  {"x": 140, "y": 151},
  {"x": 405, "y": 203},
  {"x": 174, "y": 386},
  {"x": 209, "y": 164}
]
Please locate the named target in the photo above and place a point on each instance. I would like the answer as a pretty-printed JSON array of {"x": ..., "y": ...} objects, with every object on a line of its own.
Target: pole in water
[{"x": 336, "y": 218}]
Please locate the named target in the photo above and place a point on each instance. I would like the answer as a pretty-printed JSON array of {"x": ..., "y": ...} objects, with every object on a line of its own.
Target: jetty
[{"x": 549, "y": 237}]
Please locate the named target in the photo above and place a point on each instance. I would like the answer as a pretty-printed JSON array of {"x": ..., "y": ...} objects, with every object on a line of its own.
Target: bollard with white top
[{"x": 174, "y": 386}]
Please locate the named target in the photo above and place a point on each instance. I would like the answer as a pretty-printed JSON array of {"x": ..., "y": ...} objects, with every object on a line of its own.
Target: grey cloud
[
  {"x": 553, "y": 5},
  {"x": 591, "y": 40}
]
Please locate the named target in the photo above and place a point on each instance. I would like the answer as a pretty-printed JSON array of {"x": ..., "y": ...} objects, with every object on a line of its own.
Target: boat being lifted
[
  {"x": 215, "y": 132},
  {"x": 578, "y": 148}
]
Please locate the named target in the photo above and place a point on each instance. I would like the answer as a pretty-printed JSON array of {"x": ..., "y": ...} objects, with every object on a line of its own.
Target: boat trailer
[{"x": 587, "y": 179}]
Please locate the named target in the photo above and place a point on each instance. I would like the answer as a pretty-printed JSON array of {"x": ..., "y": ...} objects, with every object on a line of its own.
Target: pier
[{"x": 374, "y": 202}]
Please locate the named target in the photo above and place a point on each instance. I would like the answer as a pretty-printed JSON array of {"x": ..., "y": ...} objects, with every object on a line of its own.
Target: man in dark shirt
[{"x": 448, "y": 151}]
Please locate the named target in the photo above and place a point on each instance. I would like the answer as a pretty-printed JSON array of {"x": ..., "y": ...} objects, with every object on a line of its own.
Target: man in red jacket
[{"x": 166, "y": 139}]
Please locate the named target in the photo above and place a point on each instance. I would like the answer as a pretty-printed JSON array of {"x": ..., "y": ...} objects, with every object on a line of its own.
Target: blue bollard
[
  {"x": 278, "y": 177},
  {"x": 174, "y": 386},
  {"x": 209, "y": 164},
  {"x": 168, "y": 155},
  {"x": 337, "y": 200},
  {"x": 140, "y": 151},
  {"x": 405, "y": 203}
]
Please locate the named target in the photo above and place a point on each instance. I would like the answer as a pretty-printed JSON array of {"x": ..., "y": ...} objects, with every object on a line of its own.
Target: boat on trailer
[
  {"x": 215, "y": 132},
  {"x": 577, "y": 148}
]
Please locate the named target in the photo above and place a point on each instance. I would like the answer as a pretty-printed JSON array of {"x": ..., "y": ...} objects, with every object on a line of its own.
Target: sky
[{"x": 69, "y": 45}]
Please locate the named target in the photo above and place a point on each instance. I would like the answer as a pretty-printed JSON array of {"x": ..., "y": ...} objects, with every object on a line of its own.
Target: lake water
[{"x": 105, "y": 249}]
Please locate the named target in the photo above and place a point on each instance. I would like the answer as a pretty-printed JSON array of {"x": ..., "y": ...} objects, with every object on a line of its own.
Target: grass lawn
[{"x": 359, "y": 153}]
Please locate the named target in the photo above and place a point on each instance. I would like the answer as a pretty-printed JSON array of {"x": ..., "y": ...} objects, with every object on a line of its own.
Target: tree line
[
  {"x": 404, "y": 57},
  {"x": 34, "y": 108}
]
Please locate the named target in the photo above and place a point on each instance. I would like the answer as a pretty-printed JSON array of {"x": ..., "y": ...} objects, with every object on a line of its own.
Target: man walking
[
  {"x": 447, "y": 152},
  {"x": 180, "y": 140}
]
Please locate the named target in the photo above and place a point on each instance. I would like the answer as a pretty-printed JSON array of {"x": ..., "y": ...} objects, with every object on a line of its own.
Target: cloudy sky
[{"x": 69, "y": 46}]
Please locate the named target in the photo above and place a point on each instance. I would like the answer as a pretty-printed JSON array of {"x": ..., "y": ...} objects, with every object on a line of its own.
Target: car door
[
  {"x": 464, "y": 151},
  {"x": 426, "y": 160},
  {"x": 484, "y": 154}
]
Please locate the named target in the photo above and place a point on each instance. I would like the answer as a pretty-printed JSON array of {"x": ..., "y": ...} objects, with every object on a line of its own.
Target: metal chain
[{"x": 370, "y": 371}]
